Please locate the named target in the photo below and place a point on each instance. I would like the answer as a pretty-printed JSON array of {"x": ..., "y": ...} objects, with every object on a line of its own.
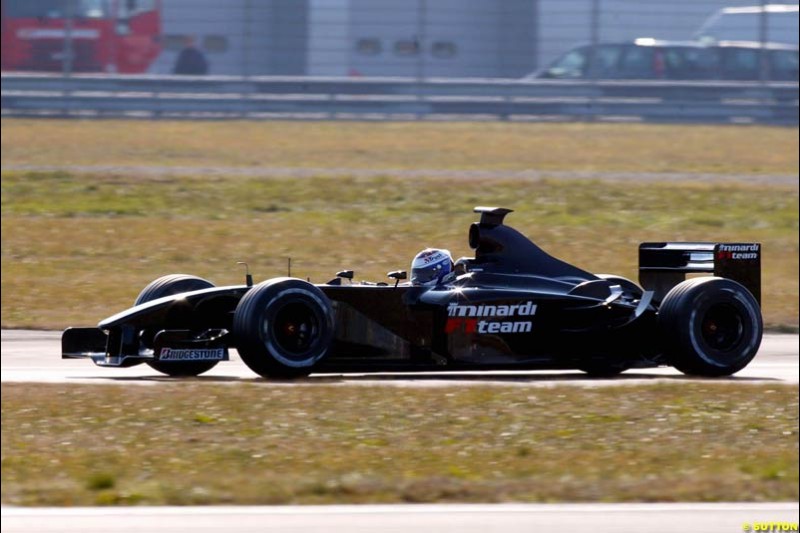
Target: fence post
[
  {"x": 66, "y": 57},
  {"x": 244, "y": 97},
  {"x": 763, "y": 38},
  {"x": 594, "y": 30},
  {"x": 422, "y": 7},
  {"x": 246, "y": 41},
  {"x": 594, "y": 33},
  {"x": 536, "y": 37}
]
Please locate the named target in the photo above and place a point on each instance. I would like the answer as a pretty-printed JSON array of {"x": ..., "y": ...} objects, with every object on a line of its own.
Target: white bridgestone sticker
[{"x": 192, "y": 354}]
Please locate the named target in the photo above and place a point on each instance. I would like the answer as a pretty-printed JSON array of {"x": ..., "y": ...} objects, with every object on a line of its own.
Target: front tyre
[
  {"x": 712, "y": 326},
  {"x": 167, "y": 286},
  {"x": 283, "y": 327}
]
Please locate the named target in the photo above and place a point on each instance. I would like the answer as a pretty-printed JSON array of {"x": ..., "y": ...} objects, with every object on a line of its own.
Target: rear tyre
[
  {"x": 167, "y": 286},
  {"x": 283, "y": 327},
  {"x": 711, "y": 326}
]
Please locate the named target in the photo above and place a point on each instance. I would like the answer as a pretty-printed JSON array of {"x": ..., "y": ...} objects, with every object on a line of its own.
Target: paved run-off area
[
  {"x": 34, "y": 356},
  {"x": 513, "y": 518}
]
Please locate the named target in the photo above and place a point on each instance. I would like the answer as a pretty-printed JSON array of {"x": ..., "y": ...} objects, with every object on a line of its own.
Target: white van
[{"x": 744, "y": 24}]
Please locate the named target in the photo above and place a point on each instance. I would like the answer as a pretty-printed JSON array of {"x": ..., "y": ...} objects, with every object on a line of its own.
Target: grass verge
[
  {"x": 198, "y": 443},
  {"x": 484, "y": 146},
  {"x": 77, "y": 248}
]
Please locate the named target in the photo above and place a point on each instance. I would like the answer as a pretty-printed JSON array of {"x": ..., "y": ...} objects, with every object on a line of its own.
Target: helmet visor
[{"x": 422, "y": 276}]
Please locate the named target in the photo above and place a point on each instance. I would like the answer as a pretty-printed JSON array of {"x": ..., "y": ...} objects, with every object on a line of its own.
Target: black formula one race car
[{"x": 511, "y": 307}]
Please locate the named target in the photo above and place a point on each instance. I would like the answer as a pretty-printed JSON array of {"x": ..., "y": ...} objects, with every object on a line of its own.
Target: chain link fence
[{"x": 422, "y": 39}]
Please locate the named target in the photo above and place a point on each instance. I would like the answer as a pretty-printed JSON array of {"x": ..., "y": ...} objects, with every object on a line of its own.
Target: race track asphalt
[
  {"x": 34, "y": 356},
  {"x": 439, "y": 518}
]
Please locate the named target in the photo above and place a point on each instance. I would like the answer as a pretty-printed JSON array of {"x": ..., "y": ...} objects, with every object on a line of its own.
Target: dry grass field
[
  {"x": 265, "y": 444},
  {"x": 458, "y": 146},
  {"x": 78, "y": 246}
]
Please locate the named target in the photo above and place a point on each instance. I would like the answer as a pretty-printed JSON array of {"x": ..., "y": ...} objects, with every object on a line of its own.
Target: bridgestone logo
[{"x": 192, "y": 354}]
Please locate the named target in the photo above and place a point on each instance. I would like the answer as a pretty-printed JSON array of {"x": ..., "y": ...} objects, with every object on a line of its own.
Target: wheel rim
[
  {"x": 295, "y": 329},
  {"x": 722, "y": 327}
]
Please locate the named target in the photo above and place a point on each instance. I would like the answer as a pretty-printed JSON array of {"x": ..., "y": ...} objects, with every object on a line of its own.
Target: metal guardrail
[{"x": 398, "y": 99}]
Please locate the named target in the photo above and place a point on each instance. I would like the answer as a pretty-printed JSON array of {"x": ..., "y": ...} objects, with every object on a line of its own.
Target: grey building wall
[
  {"x": 238, "y": 37},
  {"x": 328, "y": 38},
  {"x": 205, "y": 20},
  {"x": 428, "y": 38},
  {"x": 285, "y": 42},
  {"x": 441, "y": 38}
]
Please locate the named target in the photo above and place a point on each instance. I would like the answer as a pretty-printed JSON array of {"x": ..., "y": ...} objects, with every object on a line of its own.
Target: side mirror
[
  {"x": 346, "y": 274},
  {"x": 398, "y": 275},
  {"x": 560, "y": 73},
  {"x": 461, "y": 266}
]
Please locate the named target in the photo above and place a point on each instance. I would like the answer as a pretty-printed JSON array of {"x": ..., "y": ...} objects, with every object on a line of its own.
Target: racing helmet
[{"x": 430, "y": 266}]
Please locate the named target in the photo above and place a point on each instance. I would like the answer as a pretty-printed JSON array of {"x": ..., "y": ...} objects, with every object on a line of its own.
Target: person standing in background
[{"x": 191, "y": 60}]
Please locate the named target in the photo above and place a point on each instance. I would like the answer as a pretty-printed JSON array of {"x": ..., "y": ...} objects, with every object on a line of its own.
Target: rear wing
[{"x": 662, "y": 265}]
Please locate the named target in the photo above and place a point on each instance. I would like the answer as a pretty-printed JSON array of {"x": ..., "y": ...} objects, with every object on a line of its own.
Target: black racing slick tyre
[
  {"x": 167, "y": 286},
  {"x": 171, "y": 284},
  {"x": 283, "y": 327},
  {"x": 712, "y": 326}
]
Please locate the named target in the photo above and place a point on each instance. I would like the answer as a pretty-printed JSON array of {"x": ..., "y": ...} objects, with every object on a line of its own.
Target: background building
[{"x": 418, "y": 38}]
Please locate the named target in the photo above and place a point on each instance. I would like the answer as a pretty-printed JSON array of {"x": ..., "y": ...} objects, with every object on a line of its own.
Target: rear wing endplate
[{"x": 662, "y": 265}]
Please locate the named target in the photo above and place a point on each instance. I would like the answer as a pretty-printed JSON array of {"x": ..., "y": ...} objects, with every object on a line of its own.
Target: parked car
[
  {"x": 675, "y": 60},
  {"x": 744, "y": 23}
]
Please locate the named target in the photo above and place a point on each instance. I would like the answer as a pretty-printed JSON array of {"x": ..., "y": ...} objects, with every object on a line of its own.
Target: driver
[{"x": 430, "y": 266}]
